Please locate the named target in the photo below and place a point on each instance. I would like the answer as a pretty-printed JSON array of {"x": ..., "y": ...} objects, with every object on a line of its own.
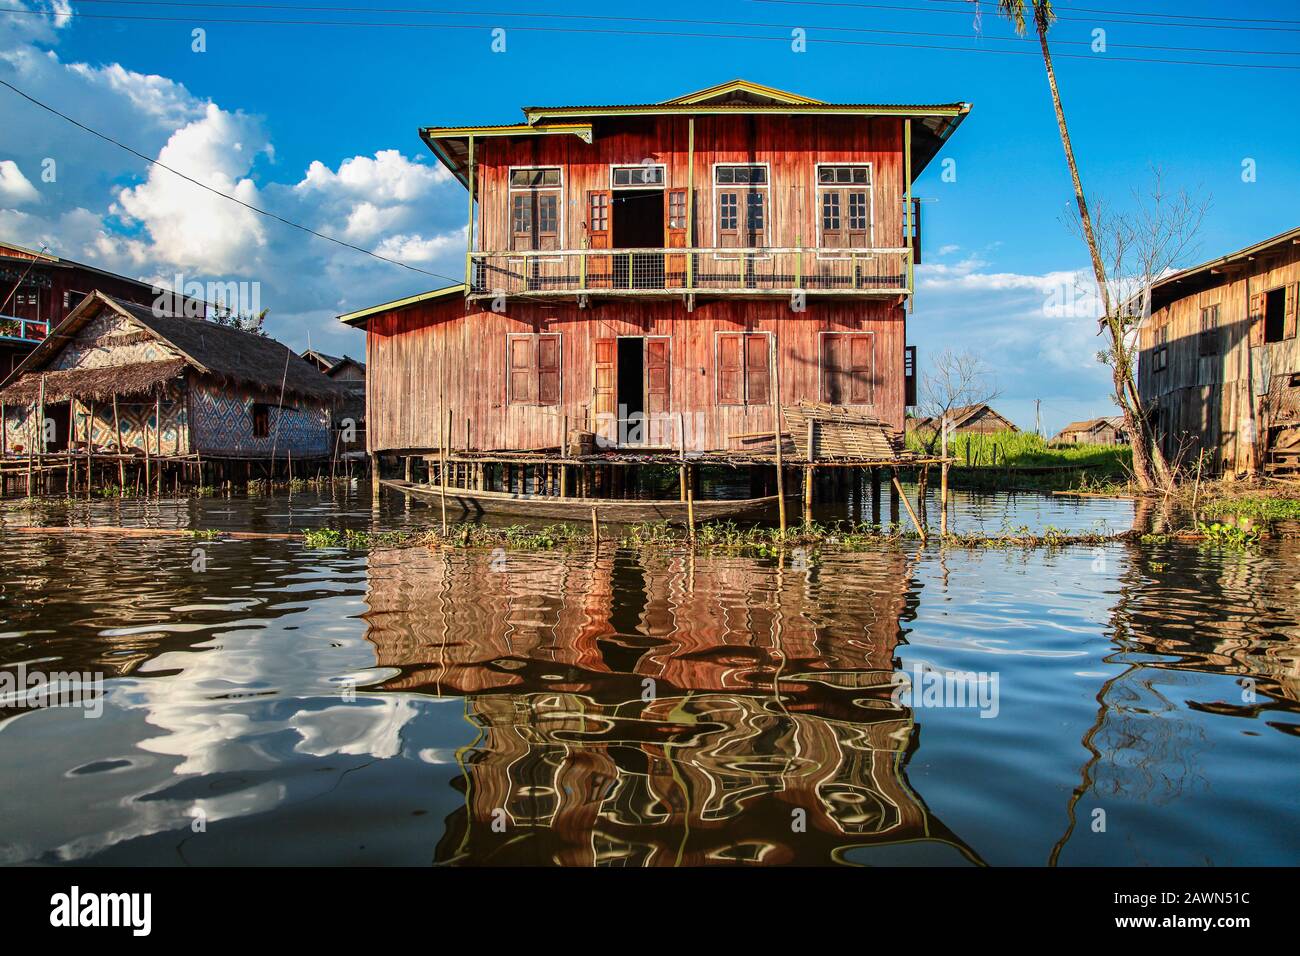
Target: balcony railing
[
  {"x": 15, "y": 329},
  {"x": 713, "y": 271}
]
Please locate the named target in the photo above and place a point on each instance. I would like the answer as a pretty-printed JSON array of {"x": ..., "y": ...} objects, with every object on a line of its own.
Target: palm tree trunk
[{"x": 1148, "y": 460}]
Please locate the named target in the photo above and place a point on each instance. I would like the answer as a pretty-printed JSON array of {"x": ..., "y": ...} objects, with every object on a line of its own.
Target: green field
[{"x": 986, "y": 457}]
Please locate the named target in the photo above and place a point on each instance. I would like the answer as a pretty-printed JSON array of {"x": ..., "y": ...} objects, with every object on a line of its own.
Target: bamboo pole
[
  {"x": 690, "y": 513},
  {"x": 807, "y": 493},
  {"x": 442, "y": 471},
  {"x": 776, "y": 415},
  {"x": 595, "y": 528},
  {"x": 157, "y": 404},
  {"x": 943, "y": 500},
  {"x": 121, "y": 460},
  {"x": 908, "y": 505},
  {"x": 90, "y": 441}
]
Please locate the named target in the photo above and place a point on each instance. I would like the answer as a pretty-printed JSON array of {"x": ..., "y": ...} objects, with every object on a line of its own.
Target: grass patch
[
  {"x": 981, "y": 458},
  {"x": 1257, "y": 507}
]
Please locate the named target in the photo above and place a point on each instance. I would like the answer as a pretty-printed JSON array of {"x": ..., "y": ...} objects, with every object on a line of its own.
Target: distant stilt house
[
  {"x": 1093, "y": 431},
  {"x": 348, "y": 425},
  {"x": 661, "y": 282},
  {"x": 39, "y": 290},
  {"x": 978, "y": 419},
  {"x": 1219, "y": 361},
  {"x": 116, "y": 387}
]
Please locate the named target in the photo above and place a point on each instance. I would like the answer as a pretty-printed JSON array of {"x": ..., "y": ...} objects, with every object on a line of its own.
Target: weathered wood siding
[
  {"x": 791, "y": 145},
  {"x": 1215, "y": 401},
  {"x": 407, "y": 351}
]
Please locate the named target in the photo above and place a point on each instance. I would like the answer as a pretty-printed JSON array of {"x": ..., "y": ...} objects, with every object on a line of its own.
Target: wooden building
[
  {"x": 1093, "y": 431},
  {"x": 662, "y": 275},
  {"x": 39, "y": 290},
  {"x": 1219, "y": 363},
  {"x": 348, "y": 423},
  {"x": 119, "y": 386},
  {"x": 978, "y": 419}
]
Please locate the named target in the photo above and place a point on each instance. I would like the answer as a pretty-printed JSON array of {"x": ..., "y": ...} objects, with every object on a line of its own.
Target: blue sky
[{"x": 319, "y": 124}]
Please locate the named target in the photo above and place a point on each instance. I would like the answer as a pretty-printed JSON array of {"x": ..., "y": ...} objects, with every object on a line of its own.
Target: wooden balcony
[
  {"x": 744, "y": 273},
  {"x": 16, "y": 329}
]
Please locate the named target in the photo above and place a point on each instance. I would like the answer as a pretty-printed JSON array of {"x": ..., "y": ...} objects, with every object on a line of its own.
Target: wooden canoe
[{"x": 466, "y": 501}]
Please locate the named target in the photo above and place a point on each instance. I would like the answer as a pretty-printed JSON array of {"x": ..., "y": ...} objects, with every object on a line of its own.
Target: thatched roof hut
[{"x": 202, "y": 387}]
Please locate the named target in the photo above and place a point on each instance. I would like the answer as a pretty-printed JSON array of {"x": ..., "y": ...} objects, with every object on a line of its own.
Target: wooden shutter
[
  {"x": 1289, "y": 314},
  {"x": 758, "y": 372},
  {"x": 521, "y": 221},
  {"x": 546, "y": 217},
  {"x": 830, "y": 208},
  {"x": 656, "y": 374},
  {"x": 861, "y": 368},
  {"x": 1256, "y": 319},
  {"x": 833, "y": 368},
  {"x": 729, "y": 213},
  {"x": 548, "y": 369},
  {"x": 600, "y": 211},
  {"x": 604, "y": 389},
  {"x": 755, "y": 212},
  {"x": 659, "y": 427},
  {"x": 731, "y": 369},
  {"x": 523, "y": 376}
]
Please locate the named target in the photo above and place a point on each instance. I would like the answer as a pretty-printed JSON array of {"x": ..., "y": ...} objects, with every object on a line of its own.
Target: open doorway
[
  {"x": 638, "y": 223},
  {"x": 61, "y": 415},
  {"x": 631, "y": 388},
  {"x": 1274, "y": 315}
]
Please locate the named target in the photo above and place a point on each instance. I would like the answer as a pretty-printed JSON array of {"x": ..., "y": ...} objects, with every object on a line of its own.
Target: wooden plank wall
[
  {"x": 1216, "y": 397},
  {"x": 792, "y": 145},
  {"x": 405, "y": 348}
]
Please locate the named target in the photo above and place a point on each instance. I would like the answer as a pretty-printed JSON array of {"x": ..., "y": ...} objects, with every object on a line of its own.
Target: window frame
[
  {"x": 535, "y": 370},
  {"x": 560, "y": 224},
  {"x": 819, "y": 188},
  {"x": 1160, "y": 348},
  {"x": 663, "y": 179},
  {"x": 769, "y": 225},
  {"x": 1210, "y": 335},
  {"x": 821, "y": 368},
  {"x": 717, "y": 367}
]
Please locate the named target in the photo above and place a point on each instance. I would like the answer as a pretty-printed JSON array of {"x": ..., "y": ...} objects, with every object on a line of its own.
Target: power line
[
  {"x": 1147, "y": 13},
  {"x": 970, "y": 10},
  {"x": 668, "y": 20},
  {"x": 218, "y": 192},
  {"x": 652, "y": 33}
]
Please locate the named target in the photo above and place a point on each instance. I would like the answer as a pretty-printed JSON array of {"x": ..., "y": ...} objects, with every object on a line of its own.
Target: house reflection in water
[{"x": 638, "y": 711}]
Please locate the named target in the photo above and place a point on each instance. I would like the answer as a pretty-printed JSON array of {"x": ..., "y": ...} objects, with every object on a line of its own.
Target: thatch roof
[
  {"x": 92, "y": 384},
  {"x": 227, "y": 353}
]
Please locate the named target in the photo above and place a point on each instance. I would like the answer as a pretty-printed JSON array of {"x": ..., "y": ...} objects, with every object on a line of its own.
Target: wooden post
[
  {"x": 690, "y": 513},
  {"x": 875, "y": 495},
  {"x": 595, "y": 528},
  {"x": 943, "y": 500},
  {"x": 90, "y": 442},
  {"x": 922, "y": 487},
  {"x": 893, "y": 496},
  {"x": 906, "y": 504},
  {"x": 776, "y": 434},
  {"x": 121, "y": 459},
  {"x": 808, "y": 490},
  {"x": 442, "y": 470},
  {"x": 408, "y": 468},
  {"x": 157, "y": 404},
  {"x": 374, "y": 476}
]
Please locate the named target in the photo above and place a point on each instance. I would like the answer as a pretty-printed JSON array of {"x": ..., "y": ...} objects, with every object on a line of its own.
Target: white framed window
[
  {"x": 845, "y": 207},
  {"x": 535, "y": 208},
  {"x": 742, "y": 208},
  {"x": 639, "y": 176}
]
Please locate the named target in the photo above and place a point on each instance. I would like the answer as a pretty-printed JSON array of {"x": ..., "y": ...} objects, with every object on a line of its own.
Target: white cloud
[{"x": 15, "y": 188}]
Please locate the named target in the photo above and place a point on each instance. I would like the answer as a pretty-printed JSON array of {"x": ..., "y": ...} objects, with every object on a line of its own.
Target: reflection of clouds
[{"x": 368, "y": 726}]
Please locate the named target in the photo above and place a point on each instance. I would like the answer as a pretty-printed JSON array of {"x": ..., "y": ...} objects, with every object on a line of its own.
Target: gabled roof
[
  {"x": 934, "y": 122},
  {"x": 359, "y": 317},
  {"x": 742, "y": 91},
  {"x": 218, "y": 350},
  {"x": 1188, "y": 281}
]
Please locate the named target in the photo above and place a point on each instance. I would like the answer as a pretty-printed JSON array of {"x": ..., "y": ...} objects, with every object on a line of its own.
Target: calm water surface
[{"x": 267, "y": 703}]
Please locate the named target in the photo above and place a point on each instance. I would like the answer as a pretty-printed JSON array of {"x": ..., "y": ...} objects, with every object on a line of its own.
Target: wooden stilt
[
  {"x": 595, "y": 528},
  {"x": 808, "y": 476},
  {"x": 943, "y": 500},
  {"x": 898, "y": 489},
  {"x": 893, "y": 497},
  {"x": 776, "y": 436},
  {"x": 690, "y": 513}
]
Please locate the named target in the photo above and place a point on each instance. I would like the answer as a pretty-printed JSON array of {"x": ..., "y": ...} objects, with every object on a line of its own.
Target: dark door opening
[
  {"x": 631, "y": 390},
  {"x": 1274, "y": 320},
  {"x": 61, "y": 415},
  {"x": 639, "y": 224}
]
